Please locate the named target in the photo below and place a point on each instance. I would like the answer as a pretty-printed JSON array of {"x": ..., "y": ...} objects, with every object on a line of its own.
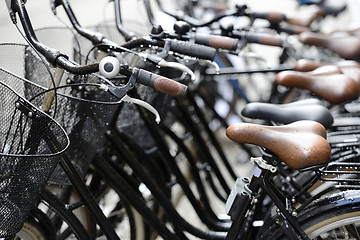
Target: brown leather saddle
[
  {"x": 336, "y": 84},
  {"x": 348, "y": 67},
  {"x": 347, "y": 47},
  {"x": 346, "y": 32},
  {"x": 299, "y": 145}
]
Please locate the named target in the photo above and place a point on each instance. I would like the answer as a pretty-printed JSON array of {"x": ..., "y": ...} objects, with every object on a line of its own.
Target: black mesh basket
[
  {"x": 31, "y": 144},
  {"x": 83, "y": 110},
  {"x": 81, "y": 50}
]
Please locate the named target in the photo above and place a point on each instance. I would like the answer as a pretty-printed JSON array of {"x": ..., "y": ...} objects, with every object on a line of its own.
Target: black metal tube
[
  {"x": 128, "y": 35},
  {"x": 57, "y": 206},
  {"x": 200, "y": 141},
  {"x": 165, "y": 202},
  {"x": 52, "y": 55},
  {"x": 210, "y": 180},
  {"x": 222, "y": 121},
  {"x": 149, "y": 12},
  {"x": 271, "y": 191},
  {"x": 212, "y": 137},
  {"x": 127, "y": 193},
  {"x": 233, "y": 233},
  {"x": 194, "y": 171},
  {"x": 246, "y": 200},
  {"x": 49, "y": 53},
  {"x": 94, "y": 37},
  {"x": 184, "y": 184},
  {"x": 76, "y": 69},
  {"x": 234, "y": 71},
  {"x": 88, "y": 198}
]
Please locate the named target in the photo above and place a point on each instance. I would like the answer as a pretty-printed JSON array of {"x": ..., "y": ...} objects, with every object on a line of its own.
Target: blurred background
[{"x": 92, "y": 12}]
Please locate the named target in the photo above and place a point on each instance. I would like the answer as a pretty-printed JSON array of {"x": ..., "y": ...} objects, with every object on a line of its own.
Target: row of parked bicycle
[{"x": 105, "y": 130}]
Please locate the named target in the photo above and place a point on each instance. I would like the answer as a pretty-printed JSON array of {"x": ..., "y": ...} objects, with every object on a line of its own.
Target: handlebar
[
  {"x": 59, "y": 59},
  {"x": 128, "y": 35},
  {"x": 74, "y": 68},
  {"x": 110, "y": 67},
  {"x": 94, "y": 37},
  {"x": 52, "y": 55},
  {"x": 160, "y": 83},
  {"x": 180, "y": 16},
  {"x": 193, "y": 49},
  {"x": 260, "y": 38},
  {"x": 181, "y": 47},
  {"x": 215, "y": 41}
]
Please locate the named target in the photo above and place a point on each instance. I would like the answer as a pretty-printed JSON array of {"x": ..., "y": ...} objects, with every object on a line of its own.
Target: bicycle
[{"x": 179, "y": 230}]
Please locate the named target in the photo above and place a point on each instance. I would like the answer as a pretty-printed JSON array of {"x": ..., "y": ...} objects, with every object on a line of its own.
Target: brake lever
[
  {"x": 143, "y": 104},
  {"x": 121, "y": 93},
  {"x": 161, "y": 62},
  {"x": 178, "y": 66},
  {"x": 214, "y": 64}
]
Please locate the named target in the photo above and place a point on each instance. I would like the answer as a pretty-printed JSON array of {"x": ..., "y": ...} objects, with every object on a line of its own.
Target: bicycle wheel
[
  {"x": 335, "y": 216},
  {"x": 31, "y": 230},
  {"x": 334, "y": 226},
  {"x": 36, "y": 227},
  {"x": 126, "y": 221}
]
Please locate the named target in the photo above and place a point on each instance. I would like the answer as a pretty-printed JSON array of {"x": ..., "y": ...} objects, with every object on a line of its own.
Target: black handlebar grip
[
  {"x": 193, "y": 49},
  {"x": 264, "y": 39},
  {"x": 69, "y": 66},
  {"x": 161, "y": 84},
  {"x": 217, "y": 42}
]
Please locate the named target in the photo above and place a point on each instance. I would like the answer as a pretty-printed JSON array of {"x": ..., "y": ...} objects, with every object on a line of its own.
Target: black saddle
[{"x": 309, "y": 109}]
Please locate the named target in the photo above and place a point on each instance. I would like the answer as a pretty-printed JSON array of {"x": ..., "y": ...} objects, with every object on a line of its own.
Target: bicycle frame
[{"x": 250, "y": 194}]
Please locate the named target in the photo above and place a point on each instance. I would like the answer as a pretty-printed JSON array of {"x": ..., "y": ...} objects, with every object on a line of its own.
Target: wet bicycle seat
[
  {"x": 299, "y": 145},
  {"x": 305, "y": 65},
  {"x": 327, "y": 82},
  {"x": 308, "y": 109},
  {"x": 349, "y": 68},
  {"x": 346, "y": 32},
  {"x": 347, "y": 47}
]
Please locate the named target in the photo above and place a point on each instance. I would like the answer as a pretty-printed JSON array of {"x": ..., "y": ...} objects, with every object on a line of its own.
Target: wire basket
[
  {"x": 82, "y": 51},
  {"x": 83, "y": 110},
  {"x": 31, "y": 144}
]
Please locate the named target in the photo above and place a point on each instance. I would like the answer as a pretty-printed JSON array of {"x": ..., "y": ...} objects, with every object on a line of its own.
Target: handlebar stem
[
  {"x": 49, "y": 53},
  {"x": 128, "y": 35},
  {"x": 94, "y": 37},
  {"x": 52, "y": 55}
]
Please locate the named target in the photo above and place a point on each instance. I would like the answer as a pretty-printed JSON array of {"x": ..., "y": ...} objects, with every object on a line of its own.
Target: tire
[
  {"x": 126, "y": 221},
  {"x": 36, "y": 227},
  {"x": 31, "y": 230},
  {"x": 334, "y": 216},
  {"x": 344, "y": 226},
  {"x": 78, "y": 224}
]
